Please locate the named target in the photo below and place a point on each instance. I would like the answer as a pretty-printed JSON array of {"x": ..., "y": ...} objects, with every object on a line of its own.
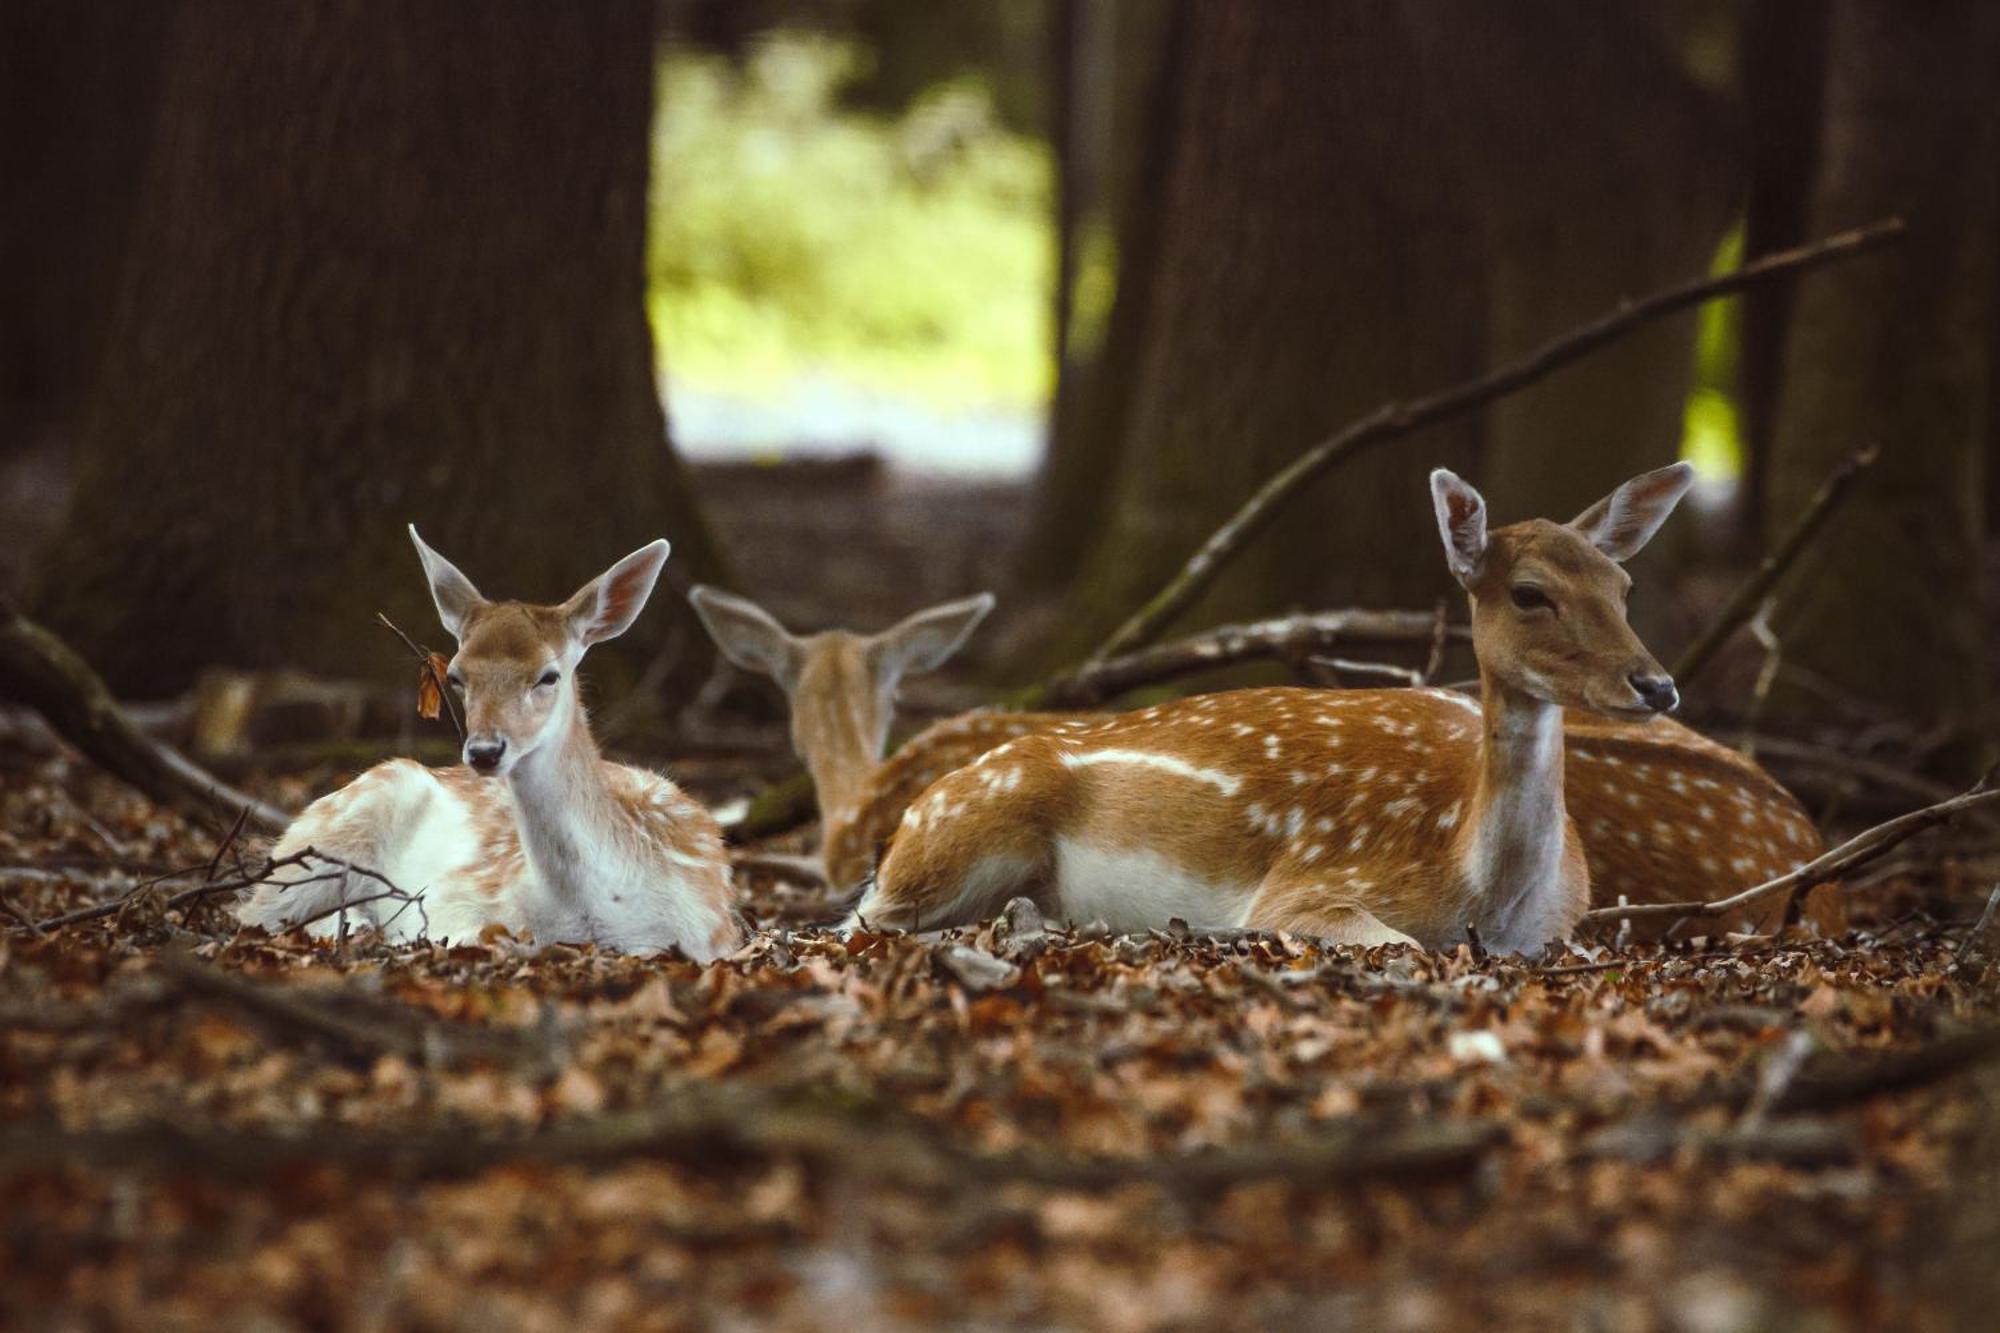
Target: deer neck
[
  {"x": 567, "y": 816},
  {"x": 1513, "y": 850},
  {"x": 842, "y": 753}
]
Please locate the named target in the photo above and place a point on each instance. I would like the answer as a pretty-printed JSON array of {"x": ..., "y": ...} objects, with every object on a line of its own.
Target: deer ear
[
  {"x": 926, "y": 640},
  {"x": 1624, "y": 521},
  {"x": 454, "y": 594},
  {"x": 1461, "y": 516},
  {"x": 605, "y": 607},
  {"x": 747, "y": 634}
]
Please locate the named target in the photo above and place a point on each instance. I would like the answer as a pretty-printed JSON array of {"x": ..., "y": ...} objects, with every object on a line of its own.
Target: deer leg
[
  {"x": 962, "y": 852},
  {"x": 1318, "y": 909}
]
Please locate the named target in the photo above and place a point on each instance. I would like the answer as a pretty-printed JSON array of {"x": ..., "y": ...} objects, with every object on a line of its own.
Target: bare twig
[
  {"x": 19, "y": 917},
  {"x": 1396, "y": 419},
  {"x": 301, "y": 859},
  {"x": 1743, "y": 603},
  {"x": 1767, "y": 674},
  {"x": 1856, "y": 851},
  {"x": 423, "y": 656},
  {"x": 40, "y": 670},
  {"x": 1440, "y": 624},
  {"x": 1284, "y": 638},
  {"x": 1978, "y": 931}
]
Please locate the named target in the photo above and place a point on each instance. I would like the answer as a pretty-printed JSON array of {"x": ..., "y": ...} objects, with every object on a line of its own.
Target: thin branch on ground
[
  {"x": 1855, "y": 852},
  {"x": 1743, "y": 603},
  {"x": 1396, "y": 419},
  {"x": 424, "y": 659},
  {"x": 301, "y": 860}
]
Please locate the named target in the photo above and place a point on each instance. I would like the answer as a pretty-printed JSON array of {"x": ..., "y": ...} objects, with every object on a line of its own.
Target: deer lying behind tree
[
  {"x": 536, "y": 832},
  {"x": 1366, "y": 816},
  {"x": 841, "y": 687}
]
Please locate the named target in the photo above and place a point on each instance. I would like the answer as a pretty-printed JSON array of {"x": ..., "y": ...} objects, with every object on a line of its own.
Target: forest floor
[{"x": 1012, "y": 1127}]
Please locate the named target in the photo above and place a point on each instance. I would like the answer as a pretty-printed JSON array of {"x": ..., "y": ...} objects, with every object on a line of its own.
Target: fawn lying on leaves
[{"x": 536, "y": 831}]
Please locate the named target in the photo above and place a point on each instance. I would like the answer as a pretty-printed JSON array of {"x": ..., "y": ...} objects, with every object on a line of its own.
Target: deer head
[
  {"x": 1548, "y": 599},
  {"x": 515, "y": 668},
  {"x": 842, "y": 686}
]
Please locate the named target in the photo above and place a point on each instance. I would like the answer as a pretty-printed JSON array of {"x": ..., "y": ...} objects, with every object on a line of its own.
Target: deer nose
[
  {"x": 1656, "y": 692},
  {"x": 484, "y": 755}
]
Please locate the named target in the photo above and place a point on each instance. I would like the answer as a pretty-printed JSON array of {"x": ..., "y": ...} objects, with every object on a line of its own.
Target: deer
[
  {"x": 841, "y": 688},
  {"x": 535, "y": 831},
  {"x": 1412, "y": 816},
  {"x": 841, "y": 694}
]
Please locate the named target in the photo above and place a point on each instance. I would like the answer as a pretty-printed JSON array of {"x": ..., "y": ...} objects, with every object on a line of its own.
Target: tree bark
[
  {"x": 1783, "y": 68},
  {"x": 1894, "y": 350},
  {"x": 388, "y": 266},
  {"x": 1602, "y": 171},
  {"x": 1094, "y": 392},
  {"x": 1312, "y": 262}
]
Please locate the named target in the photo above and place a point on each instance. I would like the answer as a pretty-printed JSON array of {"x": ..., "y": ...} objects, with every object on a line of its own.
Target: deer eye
[
  {"x": 549, "y": 677},
  {"x": 456, "y": 681},
  {"x": 1530, "y": 598}
]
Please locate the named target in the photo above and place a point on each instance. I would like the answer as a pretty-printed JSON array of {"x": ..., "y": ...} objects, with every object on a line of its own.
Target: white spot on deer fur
[
  {"x": 1323, "y": 824},
  {"x": 1295, "y": 819},
  {"x": 1226, "y": 783},
  {"x": 1335, "y": 770},
  {"x": 1241, "y": 729},
  {"x": 1742, "y": 864},
  {"x": 1449, "y": 819},
  {"x": 1707, "y": 813},
  {"x": 1396, "y": 809},
  {"x": 1311, "y": 854},
  {"x": 1360, "y": 836},
  {"x": 1710, "y": 864},
  {"x": 1271, "y": 744},
  {"x": 1632, "y": 836}
]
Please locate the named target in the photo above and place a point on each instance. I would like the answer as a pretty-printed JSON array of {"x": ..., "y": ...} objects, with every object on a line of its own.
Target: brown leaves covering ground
[{"x": 1629, "y": 1188}]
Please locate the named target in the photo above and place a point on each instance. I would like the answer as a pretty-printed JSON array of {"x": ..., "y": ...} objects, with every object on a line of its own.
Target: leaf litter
[{"x": 1022, "y": 1125}]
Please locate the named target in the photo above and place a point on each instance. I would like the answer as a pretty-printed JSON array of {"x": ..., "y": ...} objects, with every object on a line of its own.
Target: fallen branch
[
  {"x": 41, "y": 671},
  {"x": 1743, "y": 603},
  {"x": 1284, "y": 638},
  {"x": 1856, "y": 851},
  {"x": 1396, "y": 419},
  {"x": 250, "y": 879},
  {"x": 716, "y": 1125}
]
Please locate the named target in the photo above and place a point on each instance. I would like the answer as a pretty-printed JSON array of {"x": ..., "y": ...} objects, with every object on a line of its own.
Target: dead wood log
[{"x": 40, "y": 670}]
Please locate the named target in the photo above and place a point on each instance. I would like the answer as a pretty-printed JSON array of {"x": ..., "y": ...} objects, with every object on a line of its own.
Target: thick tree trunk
[
  {"x": 1783, "y": 64},
  {"x": 1602, "y": 172},
  {"x": 388, "y": 267},
  {"x": 78, "y": 81},
  {"x": 1094, "y": 392},
  {"x": 1312, "y": 262},
  {"x": 1894, "y": 350}
]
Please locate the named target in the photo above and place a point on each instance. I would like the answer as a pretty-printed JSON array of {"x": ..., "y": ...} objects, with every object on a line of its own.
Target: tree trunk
[
  {"x": 1893, "y": 350},
  {"x": 78, "y": 81},
  {"x": 1783, "y": 64},
  {"x": 1094, "y": 392},
  {"x": 388, "y": 268},
  {"x": 1602, "y": 172},
  {"x": 1312, "y": 262}
]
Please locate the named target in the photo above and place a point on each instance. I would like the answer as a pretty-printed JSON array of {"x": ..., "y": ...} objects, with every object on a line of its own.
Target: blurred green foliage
[
  {"x": 794, "y": 236},
  {"x": 1712, "y": 431}
]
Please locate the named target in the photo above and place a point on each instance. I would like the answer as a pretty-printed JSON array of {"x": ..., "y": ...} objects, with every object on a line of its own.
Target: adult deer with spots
[
  {"x": 1363, "y": 816},
  {"x": 536, "y": 832}
]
